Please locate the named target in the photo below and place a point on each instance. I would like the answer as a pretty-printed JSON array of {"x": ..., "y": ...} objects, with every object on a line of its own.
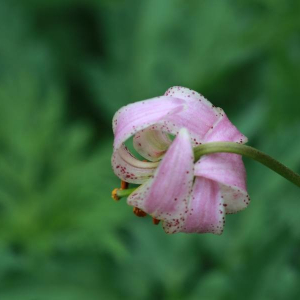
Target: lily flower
[{"x": 186, "y": 196}]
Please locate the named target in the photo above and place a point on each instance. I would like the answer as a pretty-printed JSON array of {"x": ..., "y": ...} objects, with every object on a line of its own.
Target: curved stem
[{"x": 250, "y": 152}]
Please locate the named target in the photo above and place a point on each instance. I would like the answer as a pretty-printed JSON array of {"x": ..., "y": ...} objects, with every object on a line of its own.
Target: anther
[
  {"x": 138, "y": 212},
  {"x": 114, "y": 195},
  {"x": 155, "y": 221}
]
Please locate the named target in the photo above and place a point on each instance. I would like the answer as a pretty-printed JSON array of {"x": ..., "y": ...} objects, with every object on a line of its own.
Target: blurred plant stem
[{"x": 250, "y": 152}]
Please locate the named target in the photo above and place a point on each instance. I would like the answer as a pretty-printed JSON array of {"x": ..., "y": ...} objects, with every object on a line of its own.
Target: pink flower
[{"x": 186, "y": 196}]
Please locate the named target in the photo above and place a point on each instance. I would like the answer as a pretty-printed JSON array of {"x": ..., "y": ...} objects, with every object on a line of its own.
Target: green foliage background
[{"x": 65, "y": 68}]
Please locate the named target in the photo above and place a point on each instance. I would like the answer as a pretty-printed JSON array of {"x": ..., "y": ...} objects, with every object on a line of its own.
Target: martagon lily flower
[{"x": 186, "y": 196}]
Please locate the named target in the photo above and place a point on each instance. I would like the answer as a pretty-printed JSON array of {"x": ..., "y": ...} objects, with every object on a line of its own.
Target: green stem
[
  {"x": 250, "y": 152},
  {"x": 125, "y": 193}
]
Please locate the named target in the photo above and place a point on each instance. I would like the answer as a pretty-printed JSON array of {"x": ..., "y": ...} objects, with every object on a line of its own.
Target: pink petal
[
  {"x": 229, "y": 171},
  {"x": 165, "y": 196},
  {"x": 137, "y": 116},
  {"x": 199, "y": 115},
  {"x": 151, "y": 144},
  {"x": 187, "y": 94},
  {"x": 226, "y": 168},
  {"x": 206, "y": 210},
  {"x": 130, "y": 169},
  {"x": 224, "y": 131}
]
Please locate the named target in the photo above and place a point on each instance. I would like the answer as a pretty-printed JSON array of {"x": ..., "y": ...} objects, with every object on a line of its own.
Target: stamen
[
  {"x": 114, "y": 195},
  {"x": 124, "y": 185},
  {"x": 155, "y": 221},
  {"x": 138, "y": 212}
]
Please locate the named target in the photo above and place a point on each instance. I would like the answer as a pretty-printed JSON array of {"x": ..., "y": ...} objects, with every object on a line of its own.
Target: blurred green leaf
[{"x": 65, "y": 68}]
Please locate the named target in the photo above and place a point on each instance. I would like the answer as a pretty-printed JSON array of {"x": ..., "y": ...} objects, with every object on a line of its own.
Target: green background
[{"x": 65, "y": 67}]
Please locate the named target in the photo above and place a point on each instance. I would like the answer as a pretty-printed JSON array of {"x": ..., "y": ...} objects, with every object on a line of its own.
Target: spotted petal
[
  {"x": 137, "y": 116},
  {"x": 229, "y": 171},
  {"x": 226, "y": 168},
  {"x": 165, "y": 196},
  {"x": 224, "y": 131},
  {"x": 151, "y": 144},
  {"x": 206, "y": 208},
  {"x": 129, "y": 168},
  {"x": 199, "y": 115}
]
